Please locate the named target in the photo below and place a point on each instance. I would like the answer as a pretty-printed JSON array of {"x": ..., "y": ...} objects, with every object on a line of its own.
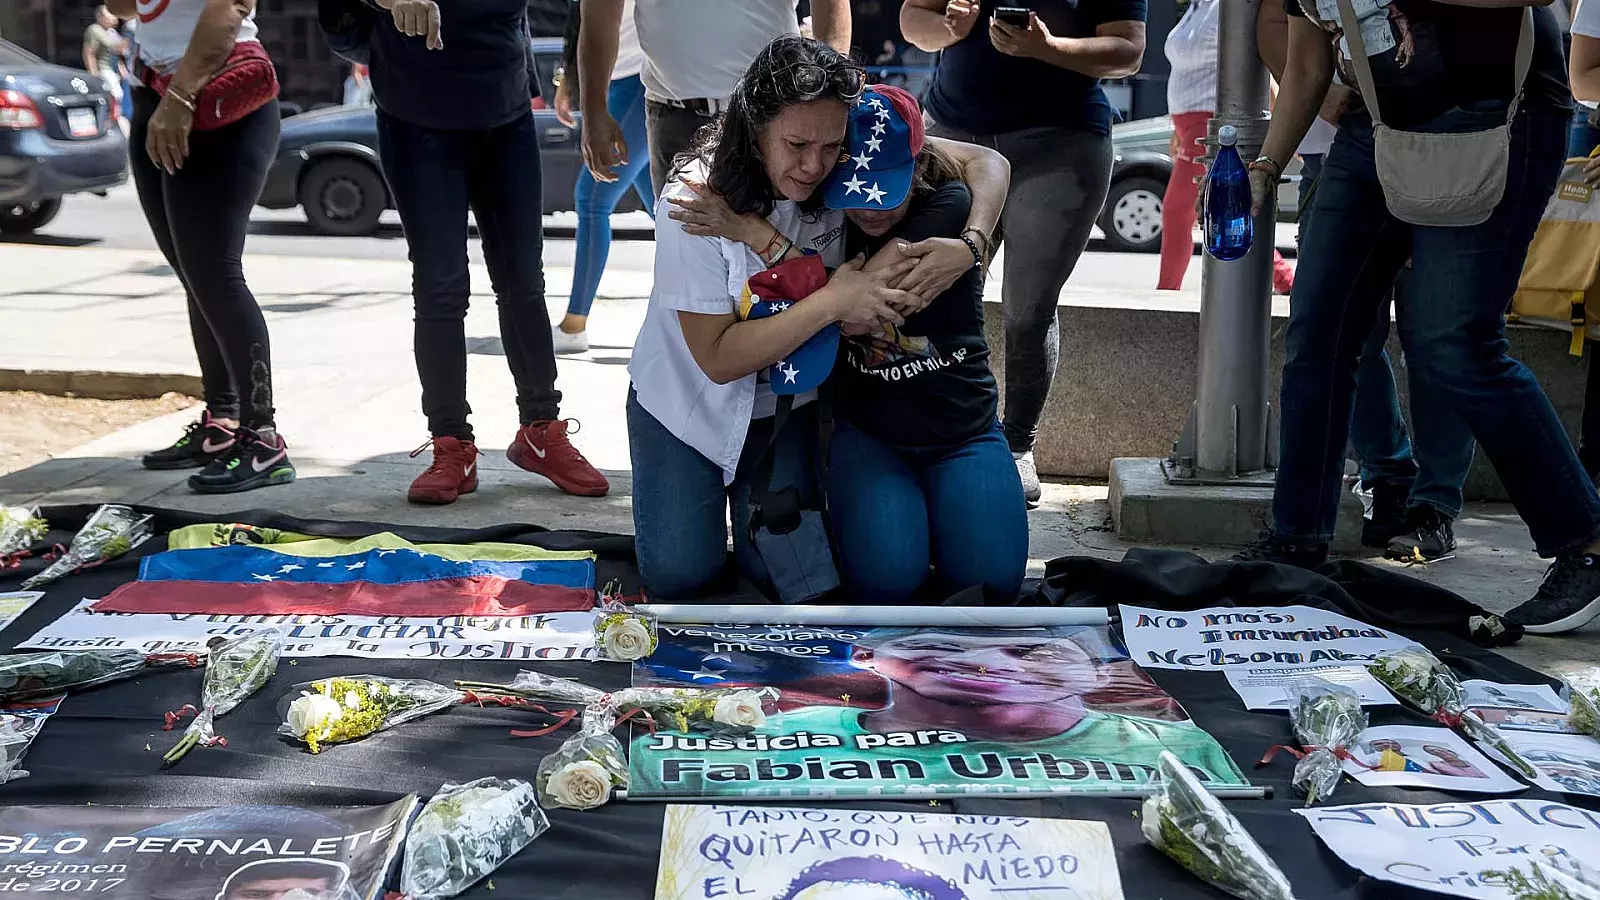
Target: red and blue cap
[
  {"x": 771, "y": 292},
  {"x": 880, "y": 158}
]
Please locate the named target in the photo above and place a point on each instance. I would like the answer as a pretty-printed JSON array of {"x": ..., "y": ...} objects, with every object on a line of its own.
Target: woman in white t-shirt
[{"x": 700, "y": 410}]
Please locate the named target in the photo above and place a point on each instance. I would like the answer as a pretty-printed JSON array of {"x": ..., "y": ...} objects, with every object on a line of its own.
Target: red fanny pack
[{"x": 242, "y": 85}]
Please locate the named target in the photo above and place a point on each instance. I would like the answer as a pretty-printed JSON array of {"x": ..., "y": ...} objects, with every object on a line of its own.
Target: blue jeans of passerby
[
  {"x": 1452, "y": 327},
  {"x": 597, "y": 200},
  {"x": 1581, "y": 136},
  {"x": 895, "y": 512},
  {"x": 436, "y": 175},
  {"x": 1434, "y": 470},
  {"x": 681, "y": 508}
]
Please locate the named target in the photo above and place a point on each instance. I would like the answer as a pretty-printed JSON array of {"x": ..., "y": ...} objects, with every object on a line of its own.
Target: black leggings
[{"x": 199, "y": 217}]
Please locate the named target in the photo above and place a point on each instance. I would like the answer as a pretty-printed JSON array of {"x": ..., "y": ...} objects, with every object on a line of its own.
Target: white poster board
[
  {"x": 1566, "y": 763},
  {"x": 547, "y": 636},
  {"x": 1450, "y": 847},
  {"x": 1424, "y": 757},
  {"x": 1491, "y": 694},
  {"x": 1240, "y": 637},
  {"x": 1272, "y": 687},
  {"x": 711, "y": 852}
]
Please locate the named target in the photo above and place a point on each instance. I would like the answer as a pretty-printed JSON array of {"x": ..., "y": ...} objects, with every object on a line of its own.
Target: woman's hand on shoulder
[{"x": 708, "y": 215}]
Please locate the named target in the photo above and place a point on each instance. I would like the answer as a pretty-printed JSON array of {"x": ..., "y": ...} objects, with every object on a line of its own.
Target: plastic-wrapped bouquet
[
  {"x": 686, "y": 709},
  {"x": 336, "y": 710},
  {"x": 1184, "y": 821},
  {"x": 624, "y": 634},
  {"x": 1551, "y": 878},
  {"x": 582, "y": 771},
  {"x": 1583, "y": 694},
  {"x": 112, "y": 531},
  {"x": 20, "y": 528},
  {"x": 466, "y": 832},
  {"x": 25, "y": 676},
  {"x": 1326, "y": 718},
  {"x": 235, "y": 669},
  {"x": 19, "y": 724},
  {"x": 1419, "y": 678}
]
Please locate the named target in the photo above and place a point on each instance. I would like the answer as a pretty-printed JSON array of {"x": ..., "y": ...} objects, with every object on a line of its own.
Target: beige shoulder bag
[{"x": 1438, "y": 179}]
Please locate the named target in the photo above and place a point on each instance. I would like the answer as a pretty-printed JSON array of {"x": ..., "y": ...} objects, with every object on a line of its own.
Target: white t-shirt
[
  {"x": 1192, "y": 52},
  {"x": 165, "y": 27},
  {"x": 1319, "y": 137},
  {"x": 1586, "y": 22},
  {"x": 630, "y": 56},
  {"x": 707, "y": 275},
  {"x": 698, "y": 49}
]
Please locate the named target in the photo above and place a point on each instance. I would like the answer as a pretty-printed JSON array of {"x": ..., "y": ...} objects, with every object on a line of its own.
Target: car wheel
[
  {"x": 26, "y": 218},
  {"x": 343, "y": 197},
  {"x": 1132, "y": 217}
]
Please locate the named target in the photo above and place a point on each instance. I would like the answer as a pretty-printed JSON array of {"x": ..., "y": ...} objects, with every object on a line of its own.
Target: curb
[{"x": 99, "y": 385}]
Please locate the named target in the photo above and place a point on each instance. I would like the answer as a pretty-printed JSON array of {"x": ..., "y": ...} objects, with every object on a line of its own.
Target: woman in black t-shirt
[
  {"x": 1443, "y": 67},
  {"x": 919, "y": 471}
]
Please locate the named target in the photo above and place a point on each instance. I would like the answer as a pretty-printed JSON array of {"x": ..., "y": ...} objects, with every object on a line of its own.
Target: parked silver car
[{"x": 1132, "y": 217}]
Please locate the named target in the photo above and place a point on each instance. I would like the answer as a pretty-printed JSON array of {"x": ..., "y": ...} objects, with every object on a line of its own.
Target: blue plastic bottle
[{"x": 1229, "y": 228}]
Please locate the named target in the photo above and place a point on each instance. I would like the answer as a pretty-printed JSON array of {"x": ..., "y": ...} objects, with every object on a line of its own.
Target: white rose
[
  {"x": 625, "y": 639},
  {"x": 313, "y": 712},
  {"x": 1150, "y": 821},
  {"x": 580, "y": 785},
  {"x": 742, "y": 709},
  {"x": 352, "y": 699}
]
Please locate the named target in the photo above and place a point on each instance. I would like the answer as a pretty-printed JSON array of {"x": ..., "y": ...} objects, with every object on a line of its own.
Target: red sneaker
[
  {"x": 454, "y": 471},
  {"x": 543, "y": 448}
]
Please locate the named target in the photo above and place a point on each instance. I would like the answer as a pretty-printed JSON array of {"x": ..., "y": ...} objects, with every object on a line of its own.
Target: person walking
[
  {"x": 597, "y": 200},
  {"x": 103, "y": 47},
  {"x": 1191, "y": 101},
  {"x": 456, "y": 132},
  {"x": 1030, "y": 88},
  {"x": 1463, "y": 275},
  {"x": 197, "y": 180},
  {"x": 694, "y": 53}
]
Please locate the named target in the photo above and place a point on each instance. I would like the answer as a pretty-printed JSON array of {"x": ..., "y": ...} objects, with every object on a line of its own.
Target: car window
[
  {"x": 546, "y": 63},
  {"x": 12, "y": 55}
]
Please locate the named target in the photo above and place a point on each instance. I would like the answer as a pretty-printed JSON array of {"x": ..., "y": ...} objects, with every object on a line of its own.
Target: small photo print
[{"x": 1424, "y": 757}]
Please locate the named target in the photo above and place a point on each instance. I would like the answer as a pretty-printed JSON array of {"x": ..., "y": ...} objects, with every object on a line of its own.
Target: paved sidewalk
[{"x": 348, "y": 404}]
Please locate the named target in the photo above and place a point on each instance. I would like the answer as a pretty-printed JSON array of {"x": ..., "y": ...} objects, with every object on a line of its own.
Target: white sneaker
[
  {"x": 1031, "y": 490},
  {"x": 568, "y": 344}
]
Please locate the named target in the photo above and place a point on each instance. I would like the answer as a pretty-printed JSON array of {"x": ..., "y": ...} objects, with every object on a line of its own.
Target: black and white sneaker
[
  {"x": 1567, "y": 600},
  {"x": 1029, "y": 473},
  {"x": 203, "y": 442},
  {"x": 1271, "y": 548},
  {"x": 1432, "y": 536},
  {"x": 258, "y": 459}
]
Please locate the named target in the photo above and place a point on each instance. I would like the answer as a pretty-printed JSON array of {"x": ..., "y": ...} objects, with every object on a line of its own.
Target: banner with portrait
[
  {"x": 918, "y": 712},
  {"x": 225, "y": 853}
]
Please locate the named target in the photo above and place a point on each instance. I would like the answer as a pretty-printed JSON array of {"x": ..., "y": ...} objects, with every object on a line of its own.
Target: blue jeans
[
  {"x": 436, "y": 175},
  {"x": 894, "y": 512},
  {"x": 1581, "y": 136},
  {"x": 1436, "y": 468},
  {"x": 681, "y": 509},
  {"x": 1452, "y": 327},
  {"x": 596, "y": 200}
]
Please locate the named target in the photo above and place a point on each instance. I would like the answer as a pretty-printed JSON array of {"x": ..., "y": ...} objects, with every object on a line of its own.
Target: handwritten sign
[
  {"x": 1454, "y": 848},
  {"x": 732, "y": 852},
  {"x": 1238, "y": 637},
  {"x": 1273, "y": 687},
  {"x": 547, "y": 636}
]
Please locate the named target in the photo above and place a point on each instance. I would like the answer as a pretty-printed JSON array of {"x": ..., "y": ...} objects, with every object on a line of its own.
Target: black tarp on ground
[{"x": 93, "y": 750}]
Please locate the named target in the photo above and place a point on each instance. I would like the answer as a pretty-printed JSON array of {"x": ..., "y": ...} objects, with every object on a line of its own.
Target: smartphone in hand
[{"x": 1015, "y": 16}]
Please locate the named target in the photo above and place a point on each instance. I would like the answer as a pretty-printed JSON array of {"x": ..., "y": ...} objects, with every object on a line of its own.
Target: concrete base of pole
[{"x": 1145, "y": 508}]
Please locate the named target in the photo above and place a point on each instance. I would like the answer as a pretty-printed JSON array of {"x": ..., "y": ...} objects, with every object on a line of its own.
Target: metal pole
[{"x": 1227, "y": 432}]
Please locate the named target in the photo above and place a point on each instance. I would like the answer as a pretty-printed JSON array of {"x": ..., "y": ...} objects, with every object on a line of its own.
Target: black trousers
[
  {"x": 436, "y": 175},
  {"x": 200, "y": 216}
]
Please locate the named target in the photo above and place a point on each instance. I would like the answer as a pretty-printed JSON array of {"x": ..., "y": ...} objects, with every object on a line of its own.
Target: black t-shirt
[
  {"x": 1437, "y": 56},
  {"x": 927, "y": 383},
  {"x": 483, "y": 77},
  {"x": 979, "y": 90}
]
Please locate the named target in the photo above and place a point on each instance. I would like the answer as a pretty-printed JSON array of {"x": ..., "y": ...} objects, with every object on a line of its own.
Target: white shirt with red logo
[{"x": 165, "y": 27}]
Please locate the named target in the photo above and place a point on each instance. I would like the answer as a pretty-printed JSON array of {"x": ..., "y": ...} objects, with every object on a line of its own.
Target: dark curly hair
[{"x": 729, "y": 147}]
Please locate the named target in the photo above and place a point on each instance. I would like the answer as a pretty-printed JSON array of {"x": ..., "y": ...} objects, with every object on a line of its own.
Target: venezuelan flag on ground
[{"x": 226, "y": 570}]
